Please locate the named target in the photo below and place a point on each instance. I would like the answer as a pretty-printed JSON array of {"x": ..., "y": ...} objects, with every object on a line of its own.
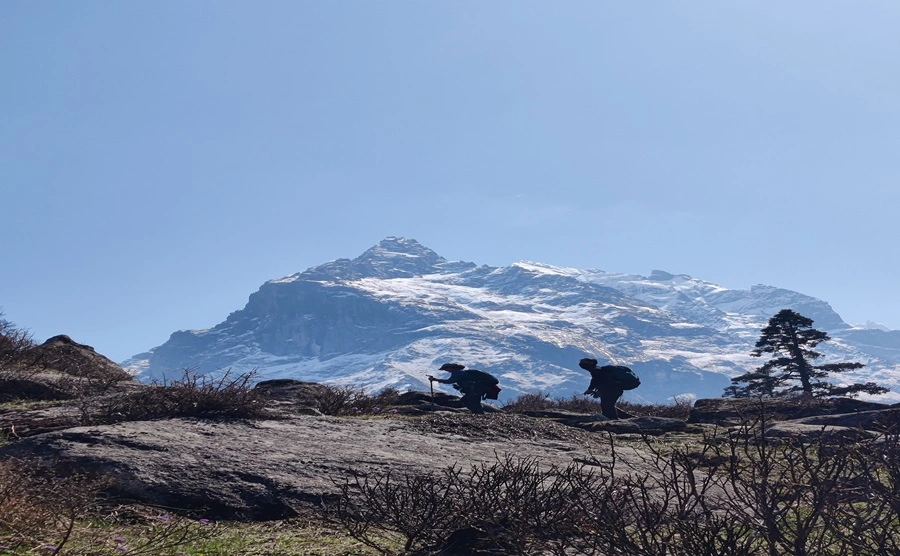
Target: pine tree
[{"x": 790, "y": 338}]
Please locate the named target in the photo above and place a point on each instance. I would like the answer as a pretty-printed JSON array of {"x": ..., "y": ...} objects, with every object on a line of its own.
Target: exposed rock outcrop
[
  {"x": 275, "y": 467},
  {"x": 61, "y": 353},
  {"x": 267, "y": 469}
]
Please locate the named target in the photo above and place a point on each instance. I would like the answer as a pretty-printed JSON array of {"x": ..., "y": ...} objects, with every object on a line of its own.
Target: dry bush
[
  {"x": 736, "y": 495},
  {"x": 346, "y": 400},
  {"x": 193, "y": 395},
  {"x": 17, "y": 365},
  {"x": 679, "y": 409},
  {"x": 379, "y": 510},
  {"x": 516, "y": 505},
  {"x": 511, "y": 506}
]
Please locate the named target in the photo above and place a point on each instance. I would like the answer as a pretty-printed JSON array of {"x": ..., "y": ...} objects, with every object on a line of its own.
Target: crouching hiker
[
  {"x": 608, "y": 383},
  {"x": 475, "y": 385}
]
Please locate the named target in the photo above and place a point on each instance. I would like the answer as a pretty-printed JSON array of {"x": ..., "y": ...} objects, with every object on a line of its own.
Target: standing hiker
[
  {"x": 474, "y": 385},
  {"x": 608, "y": 383}
]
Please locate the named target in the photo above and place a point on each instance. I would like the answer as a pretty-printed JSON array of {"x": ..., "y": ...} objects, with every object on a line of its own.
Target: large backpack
[
  {"x": 623, "y": 377},
  {"x": 474, "y": 375}
]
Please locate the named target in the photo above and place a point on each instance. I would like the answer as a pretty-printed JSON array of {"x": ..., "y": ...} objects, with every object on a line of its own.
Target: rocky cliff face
[{"x": 395, "y": 313}]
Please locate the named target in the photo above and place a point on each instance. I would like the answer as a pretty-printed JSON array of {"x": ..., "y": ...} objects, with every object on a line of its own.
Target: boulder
[
  {"x": 305, "y": 394},
  {"x": 425, "y": 402},
  {"x": 734, "y": 411},
  {"x": 414, "y": 397}
]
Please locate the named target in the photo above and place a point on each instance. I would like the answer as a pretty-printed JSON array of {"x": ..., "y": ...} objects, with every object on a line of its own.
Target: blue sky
[{"x": 160, "y": 160}]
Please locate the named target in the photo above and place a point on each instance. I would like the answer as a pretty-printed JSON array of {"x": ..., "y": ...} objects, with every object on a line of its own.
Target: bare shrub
[
  {"x": 518, "y": 506},
  {"x": 193, "y": 395},
  {"x": 17, "y": 366},
  {"x": 15, "y": 344},
  {"x": 412, "y": 508},
  {"x": 511, "y": 506},
  {"x": 347, "y": 400},
  {"x": 736, "y": 495}
]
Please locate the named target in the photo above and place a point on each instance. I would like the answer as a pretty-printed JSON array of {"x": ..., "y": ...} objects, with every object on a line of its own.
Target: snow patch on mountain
[{"x": 392, "y": 315}]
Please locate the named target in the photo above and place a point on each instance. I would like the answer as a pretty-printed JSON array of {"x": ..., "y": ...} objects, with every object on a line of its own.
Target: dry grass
[
  {"x": 43, "y": 513},
  {"x": 40, "y": 509}
]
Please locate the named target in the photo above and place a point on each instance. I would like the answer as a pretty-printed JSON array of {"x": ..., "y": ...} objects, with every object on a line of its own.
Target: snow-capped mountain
[{"x": 393, "y": 315}]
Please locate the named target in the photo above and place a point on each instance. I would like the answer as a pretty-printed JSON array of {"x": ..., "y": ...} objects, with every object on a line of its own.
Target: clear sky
[{"x": 160, "y": 160}]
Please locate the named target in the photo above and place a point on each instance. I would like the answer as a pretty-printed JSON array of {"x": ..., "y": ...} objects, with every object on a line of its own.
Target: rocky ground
[
  {"x": 291, "y": 456},
  {"x": 270, "y": 468},
  {"x": 294, "y": 458}
]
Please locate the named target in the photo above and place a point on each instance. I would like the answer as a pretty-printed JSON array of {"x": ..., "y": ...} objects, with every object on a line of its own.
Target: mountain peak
[
  {"x": 393, "y": 257},
  {"x": 663, "y": 276},
  {"x": 397, "y": 257},
  {"x": 393, "y": 247}
]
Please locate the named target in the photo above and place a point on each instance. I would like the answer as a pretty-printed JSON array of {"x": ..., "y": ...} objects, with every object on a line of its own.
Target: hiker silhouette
[
  {"x": 609, "y": 382},
  {"x": 474, "y": 385}
]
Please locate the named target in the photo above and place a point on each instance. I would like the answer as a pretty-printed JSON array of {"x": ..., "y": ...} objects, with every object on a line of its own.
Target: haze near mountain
[{"x": 394, "y": 314}]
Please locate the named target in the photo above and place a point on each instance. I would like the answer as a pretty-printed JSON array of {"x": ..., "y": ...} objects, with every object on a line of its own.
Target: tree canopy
[{"x": 790, "y": 339}]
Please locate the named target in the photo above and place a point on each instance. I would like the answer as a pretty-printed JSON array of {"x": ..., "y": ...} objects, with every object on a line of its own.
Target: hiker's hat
[
  {"x": 452, "y": 367},
  {"x": 587, "y": 363}
]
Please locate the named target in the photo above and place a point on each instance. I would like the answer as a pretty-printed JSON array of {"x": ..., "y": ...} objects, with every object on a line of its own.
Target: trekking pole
[{"x": 431, "y": 384}]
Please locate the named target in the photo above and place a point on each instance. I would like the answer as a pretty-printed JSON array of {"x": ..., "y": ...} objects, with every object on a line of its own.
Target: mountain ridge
[{"x": 390, "y": 316}]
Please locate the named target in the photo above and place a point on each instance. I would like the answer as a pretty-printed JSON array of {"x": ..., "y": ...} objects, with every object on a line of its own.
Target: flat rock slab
[
  {"x": 268, "y": 468},
  {"x": 635, "y": 425},
  {"x": 826, "y": 434}
]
